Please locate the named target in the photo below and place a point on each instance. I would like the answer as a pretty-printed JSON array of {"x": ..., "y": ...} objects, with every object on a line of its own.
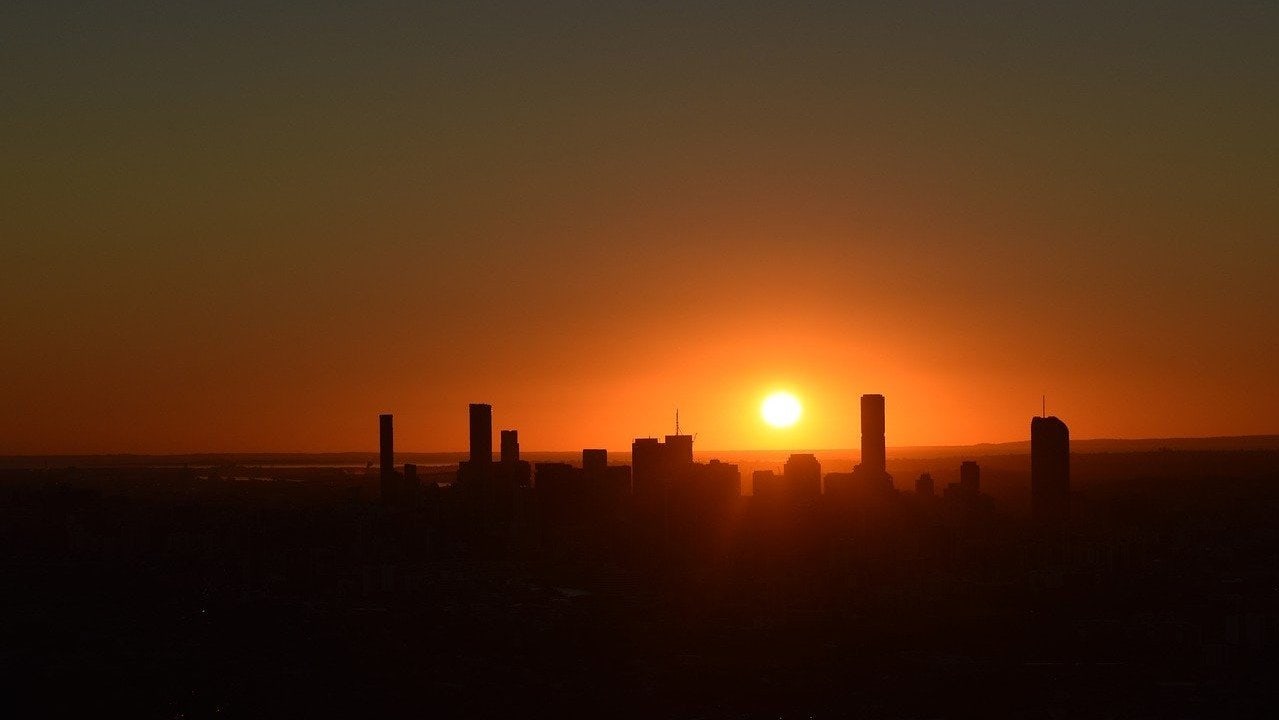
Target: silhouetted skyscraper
[
  {"x": 647, "y": 455},
  {"x": 679, "y": 448},
  {"x": 511, "y": 471},
  {"x": 388, "y": 483},
  {"x": 386, "y": 438},
  {"x": 970, "y": 476},
  {"x": 656, "y": 466},
  {"x": 803, "y": 474},
  {"x": 874, "y": 455},
  {"x": 870, "y": 475},
  {"x": 707, "y": 484},
  {"x": 767, "y": 485},
  {"x": 924, "y": 485},
  {"x": 594, "y": 462},
  {"x": 510, "y": 446},
  {"x": 1049, "y": 470},
  {"x": 481, "y": 434}
]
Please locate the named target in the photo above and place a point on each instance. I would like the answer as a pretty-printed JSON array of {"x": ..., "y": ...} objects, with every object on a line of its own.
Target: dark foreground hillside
[{"x": 149, "y": 592}]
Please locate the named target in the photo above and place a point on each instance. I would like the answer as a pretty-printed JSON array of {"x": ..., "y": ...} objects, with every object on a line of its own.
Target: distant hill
[{"x": 1100, "y": 445}]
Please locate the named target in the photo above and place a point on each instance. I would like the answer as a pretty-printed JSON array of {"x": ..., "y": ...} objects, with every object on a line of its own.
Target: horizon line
[{"x": 374, "y": 451}]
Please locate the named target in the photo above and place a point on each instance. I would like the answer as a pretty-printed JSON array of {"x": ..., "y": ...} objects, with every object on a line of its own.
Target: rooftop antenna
[
  {"x": 677, "y": 421},
  {"x": 1043, "y": 408}
]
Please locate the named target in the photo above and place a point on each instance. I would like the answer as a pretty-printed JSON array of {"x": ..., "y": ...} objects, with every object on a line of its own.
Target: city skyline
[
  {"x": 660, "y": 469},
  {"x": 855, "y": 449},
  {"x": 670, "y": 359}
]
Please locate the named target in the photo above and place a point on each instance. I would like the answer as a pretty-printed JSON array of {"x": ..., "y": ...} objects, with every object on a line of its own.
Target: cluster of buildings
[{"x": 663, "y": 473}]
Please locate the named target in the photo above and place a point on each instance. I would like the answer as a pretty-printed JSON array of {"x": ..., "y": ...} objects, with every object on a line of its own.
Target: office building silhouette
[
  {"x": 1049, "y": 470},
  {"x": 615, "y": 481},
  {"x": 510, "y": 446},
  {"x": 874, "y": 453},
  {"x": 606, "y": 487},
  {"x": 767, "y": 485},
  {"x": 870, "y": 476},
  {"x": 803, "y": 476},
  {"x": 970, "y": 476},
  {"x": 386, "y": 445},
  {"x": 387, "y": 479},
  {"x": 969, "y": 485},
  {"x": 593, "y": 494},
  {"x": 512, "y": 472},
  {"x": 707, "y": 486},
  {"x": 554, "y": 477},
  {"x": 679, "y": 448},
  {"x": 594, "y": 462},
  {"x": 656, "y": 465},
  {"x": 489, "y": 490},
  {"x": 648, "y": 457},
  {"x": 924, "y": 485},
  {"x": 481, "y": 433}
]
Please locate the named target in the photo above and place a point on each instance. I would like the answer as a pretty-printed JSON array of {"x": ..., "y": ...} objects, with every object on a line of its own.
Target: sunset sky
[{"x": 253, "y": 227}]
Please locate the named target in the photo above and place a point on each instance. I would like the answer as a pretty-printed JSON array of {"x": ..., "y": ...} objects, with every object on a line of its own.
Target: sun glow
[{"x": 781, "y": 409}]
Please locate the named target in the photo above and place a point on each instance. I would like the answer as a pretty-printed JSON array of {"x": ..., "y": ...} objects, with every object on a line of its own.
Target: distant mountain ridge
[{"x": 1105, "y": 445}]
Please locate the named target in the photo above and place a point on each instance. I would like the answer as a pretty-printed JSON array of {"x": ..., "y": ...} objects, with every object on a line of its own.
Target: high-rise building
[
  {"x": 594, "y": 462},
  {"x": 767, "y": 485},
  {"x": 647, "y": 461},
  {"x": 481, "y": 434},
  {"x": 1049, "y": 470},
  {"x": 924, "y": 485},
  {"x": 555, "y": 477},
  {"x": 870, "y": 475},
  {"x": 679, "y": 448},
  {"x": 663, "y": 473},
  {"x": 708, "y": 484},
  {"x": 389, "y": 481},
  {"x": 510, "y": 446},
  {"x": 968, "y": 489},
  {"x": 874, "y": 455},
  {"x": 617, "y": 483},
  {"x": 386, "y": 438},
  {"x": 656, "y": 465},
  {"x": 803, "y": 475}
]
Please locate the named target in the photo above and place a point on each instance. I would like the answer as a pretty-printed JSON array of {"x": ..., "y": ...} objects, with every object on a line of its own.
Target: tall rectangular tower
[
  {"x": 481, "y": 434},
  {"x": 970, "y": 476},
  {"x": 1049, "y": 470},
  {"x": 510, "y": 446},
  {"x": 874, "y": 455},
  {"x": 386, "y": 437}
]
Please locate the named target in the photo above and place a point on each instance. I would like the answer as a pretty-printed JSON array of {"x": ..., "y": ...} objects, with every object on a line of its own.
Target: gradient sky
[{"x": 240, "y": 227}]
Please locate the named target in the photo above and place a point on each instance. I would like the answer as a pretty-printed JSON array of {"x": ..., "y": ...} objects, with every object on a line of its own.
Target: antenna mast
[
  {"x": 1043, "y": 408},
  {"x": 677, "y": 421}
]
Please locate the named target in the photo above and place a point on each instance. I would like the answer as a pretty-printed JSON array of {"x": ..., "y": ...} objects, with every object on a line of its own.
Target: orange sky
[{"x": 256, "y": 233}]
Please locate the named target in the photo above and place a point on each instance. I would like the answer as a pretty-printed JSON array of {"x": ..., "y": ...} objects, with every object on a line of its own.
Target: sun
[{"x": 781, "y": 409}]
